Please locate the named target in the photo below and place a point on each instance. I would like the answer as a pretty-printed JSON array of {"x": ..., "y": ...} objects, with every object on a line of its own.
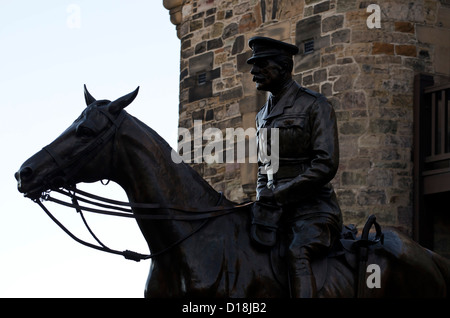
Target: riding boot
[{"x": 303, "y": 283}]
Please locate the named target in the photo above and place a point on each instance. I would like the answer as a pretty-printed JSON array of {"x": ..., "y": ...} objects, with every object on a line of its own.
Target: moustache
[{"x": 258, "y": 79}]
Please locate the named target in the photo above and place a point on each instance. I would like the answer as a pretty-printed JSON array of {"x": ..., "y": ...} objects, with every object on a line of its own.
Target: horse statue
[{"x": 200, "y": 241}]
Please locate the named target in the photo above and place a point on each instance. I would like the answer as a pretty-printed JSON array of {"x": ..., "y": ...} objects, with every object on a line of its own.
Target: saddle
[{"x": 349, "y": 249}]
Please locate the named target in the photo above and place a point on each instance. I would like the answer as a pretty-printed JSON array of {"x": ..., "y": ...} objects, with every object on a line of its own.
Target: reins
[
  {"x": 120, "y": 208},
  {"x": 105, "y": 206}
]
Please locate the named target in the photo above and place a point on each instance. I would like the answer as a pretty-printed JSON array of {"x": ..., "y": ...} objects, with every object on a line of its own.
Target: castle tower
[{"x": 363, "y": 55}]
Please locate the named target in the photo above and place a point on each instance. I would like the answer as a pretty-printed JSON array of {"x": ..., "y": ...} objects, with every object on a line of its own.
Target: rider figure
[{"x": 298, "y": 193}]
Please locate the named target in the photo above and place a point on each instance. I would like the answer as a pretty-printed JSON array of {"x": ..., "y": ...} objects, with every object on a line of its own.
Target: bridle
[
  {"x": 107, "y": 206},
  {"x": 69, "y": 168}
]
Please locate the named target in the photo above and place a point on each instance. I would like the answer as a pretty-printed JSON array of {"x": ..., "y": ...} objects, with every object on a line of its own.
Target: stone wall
[{"x": 367, "y": 74}]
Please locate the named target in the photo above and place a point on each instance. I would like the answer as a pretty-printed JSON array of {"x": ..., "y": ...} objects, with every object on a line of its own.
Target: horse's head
[{"x": 82, "y": 153}]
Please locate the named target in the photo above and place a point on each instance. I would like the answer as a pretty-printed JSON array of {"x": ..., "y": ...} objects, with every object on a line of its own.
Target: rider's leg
[
  {"x": 303, "y": 283},
  {"x": 310, "y": 238}
]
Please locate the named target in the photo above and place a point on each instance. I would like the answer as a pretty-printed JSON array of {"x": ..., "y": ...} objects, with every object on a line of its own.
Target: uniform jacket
[{"x": 308, "y": 151}]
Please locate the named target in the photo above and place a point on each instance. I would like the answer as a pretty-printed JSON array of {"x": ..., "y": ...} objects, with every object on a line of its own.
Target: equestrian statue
[{"x": 199, "y": 241}]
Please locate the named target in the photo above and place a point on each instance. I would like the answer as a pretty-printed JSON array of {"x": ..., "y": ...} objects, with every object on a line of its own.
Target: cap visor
[{"x": 259, "y": 56}]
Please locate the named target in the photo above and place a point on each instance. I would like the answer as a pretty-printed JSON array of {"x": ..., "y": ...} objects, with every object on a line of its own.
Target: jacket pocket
[
  {"x": 294, "y": 137},
  {"x": 290, "y": 121}
]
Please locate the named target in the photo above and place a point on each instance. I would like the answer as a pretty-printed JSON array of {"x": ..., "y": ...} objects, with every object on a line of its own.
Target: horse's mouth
[
  {"x": 35, "y": 189},
  {"x": 38, "y": 191},
  {"x": 31, "y": 191},
  {"x": 33, "y": 194}
]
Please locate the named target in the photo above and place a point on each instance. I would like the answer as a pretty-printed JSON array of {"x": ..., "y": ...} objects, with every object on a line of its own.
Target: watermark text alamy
[{"x": 237, "y": 146}]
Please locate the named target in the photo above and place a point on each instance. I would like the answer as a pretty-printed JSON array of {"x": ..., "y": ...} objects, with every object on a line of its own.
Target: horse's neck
[
  {"x": 145, "y": 170},
  {"x": 147, "y": 173}
]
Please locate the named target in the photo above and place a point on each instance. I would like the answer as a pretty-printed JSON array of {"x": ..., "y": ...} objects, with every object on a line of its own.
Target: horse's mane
[
  {"x": 166, "y": 151},
  {"x": 153, "y": 135}
]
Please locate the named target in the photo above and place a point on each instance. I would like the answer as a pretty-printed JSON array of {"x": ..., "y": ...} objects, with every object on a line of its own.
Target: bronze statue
[
  {"x": 198, "y": 239},
  {"x": 299, "y": 192}
]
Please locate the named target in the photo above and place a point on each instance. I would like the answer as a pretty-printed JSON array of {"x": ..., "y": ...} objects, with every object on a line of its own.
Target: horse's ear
[
  {"x": 122, "y": 102},
  {"x": 88, "y": 97}
]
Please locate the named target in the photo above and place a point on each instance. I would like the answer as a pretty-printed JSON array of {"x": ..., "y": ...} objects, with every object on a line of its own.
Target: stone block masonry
[{"x": 367, "y": 74}]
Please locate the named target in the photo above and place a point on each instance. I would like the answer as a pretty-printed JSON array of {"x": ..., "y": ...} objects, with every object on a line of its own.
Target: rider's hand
[{"x": 266, "y": 195}]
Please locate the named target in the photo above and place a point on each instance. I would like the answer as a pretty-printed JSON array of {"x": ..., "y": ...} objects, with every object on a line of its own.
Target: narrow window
[
  {"x": 309, "y": 46},
  {"x": 201, "y": 79}
]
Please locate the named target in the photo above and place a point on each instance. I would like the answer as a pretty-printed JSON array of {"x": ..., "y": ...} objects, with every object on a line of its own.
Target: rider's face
[{"x": 267, "y": 74}]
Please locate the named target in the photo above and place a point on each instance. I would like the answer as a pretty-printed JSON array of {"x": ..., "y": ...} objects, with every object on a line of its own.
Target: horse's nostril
[
  {"x": 25, "y": 173},
  {"x": 16, "y": 175}
]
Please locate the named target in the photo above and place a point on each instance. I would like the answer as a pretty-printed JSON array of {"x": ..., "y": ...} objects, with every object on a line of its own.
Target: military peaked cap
[{"x": 264, "y": 47}]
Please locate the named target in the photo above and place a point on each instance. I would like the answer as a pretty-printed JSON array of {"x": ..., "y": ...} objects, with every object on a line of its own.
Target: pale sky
[{"x": 49, "y": 49}]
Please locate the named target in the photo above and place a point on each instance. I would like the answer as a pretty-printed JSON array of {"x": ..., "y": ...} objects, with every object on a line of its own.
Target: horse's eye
[{"x": 83, "y": 131}]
